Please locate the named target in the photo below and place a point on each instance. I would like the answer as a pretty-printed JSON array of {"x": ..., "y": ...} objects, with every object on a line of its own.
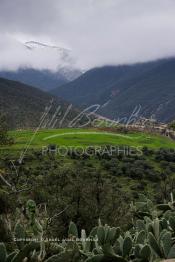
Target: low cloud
[{"x": 98, "y": 32}]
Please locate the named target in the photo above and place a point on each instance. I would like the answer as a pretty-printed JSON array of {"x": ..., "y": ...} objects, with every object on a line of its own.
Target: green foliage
[
  {"x": 4, "y": 257},
  {"x": 4, "y": 138},
  {"x": 11, "y": 256},
  {"x": 3, "y": 252},
  {"x": 73, "y": 231},
  {"x": 150, "y": 238},
  {"x": 142, "y": 252},
  {"x": 88, "y": 136},
  {"x": 26, "y": 251},
  {"x": 20, "y": 234}
]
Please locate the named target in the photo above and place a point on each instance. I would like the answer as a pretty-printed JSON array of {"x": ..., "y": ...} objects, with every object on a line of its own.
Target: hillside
[
  {"x": 43, "y": 79},
  {"x": 85, "y": 183},
  {"x": 24, "y": 105},
  {"x": 119, "y": 89}
]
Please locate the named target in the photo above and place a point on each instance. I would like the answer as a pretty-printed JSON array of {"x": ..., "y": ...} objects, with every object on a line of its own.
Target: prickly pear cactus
[
  {"x": 20, "y": 235},
  {"x": 73, "y": 231},
  {"x": 143, "y": 252},
  {"x": 26, "y": 252}
]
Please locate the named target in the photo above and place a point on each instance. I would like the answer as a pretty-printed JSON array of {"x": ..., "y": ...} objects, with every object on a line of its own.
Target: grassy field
[{"x": 86, "y": 137}]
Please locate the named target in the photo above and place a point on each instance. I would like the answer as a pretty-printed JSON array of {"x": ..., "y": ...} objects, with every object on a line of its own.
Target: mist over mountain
[
  {"x": 45, "y": 79},
  {"x": 120, "y": 89}
]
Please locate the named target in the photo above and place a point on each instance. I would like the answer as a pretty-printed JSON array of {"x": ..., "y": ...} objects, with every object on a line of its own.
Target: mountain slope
[
  {"x": 43, "y": 79},
  {"x": 119, "y": 89},
  {"x": 25, "y": 105}
]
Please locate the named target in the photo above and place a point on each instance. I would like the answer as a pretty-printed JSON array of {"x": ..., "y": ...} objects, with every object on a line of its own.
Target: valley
[
  {"x": 77, "y": 177},
  {"x": 87, "y": 131}
]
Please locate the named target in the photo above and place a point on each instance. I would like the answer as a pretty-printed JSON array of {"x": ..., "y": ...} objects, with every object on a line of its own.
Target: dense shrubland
[
  {"x": 89, "y": 186},
  {"x": 83, "y": 189}
]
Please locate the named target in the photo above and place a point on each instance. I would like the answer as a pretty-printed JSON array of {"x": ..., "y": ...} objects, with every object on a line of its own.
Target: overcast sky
[{"x": 98, "y": 32}]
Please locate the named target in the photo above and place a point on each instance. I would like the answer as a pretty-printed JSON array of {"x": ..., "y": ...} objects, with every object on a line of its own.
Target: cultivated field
[{"x": 87, "y": 137}]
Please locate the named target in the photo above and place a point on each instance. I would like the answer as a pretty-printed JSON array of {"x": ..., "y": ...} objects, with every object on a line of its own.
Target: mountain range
[
  {"x": 119, "y": 90},
  {"x": 143, "y": 89}
]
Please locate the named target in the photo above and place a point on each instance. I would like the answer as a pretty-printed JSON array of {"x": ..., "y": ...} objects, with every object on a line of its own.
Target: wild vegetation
[
  {"x": 150, "y": 237},
  {"x": 29, "y": 107},
  {"x": 90, "y": 188},
  {"x": 5, "y": 139}
]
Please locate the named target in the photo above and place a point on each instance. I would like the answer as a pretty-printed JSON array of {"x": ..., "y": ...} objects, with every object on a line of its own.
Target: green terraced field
[{"x": 87, "y": 137}]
